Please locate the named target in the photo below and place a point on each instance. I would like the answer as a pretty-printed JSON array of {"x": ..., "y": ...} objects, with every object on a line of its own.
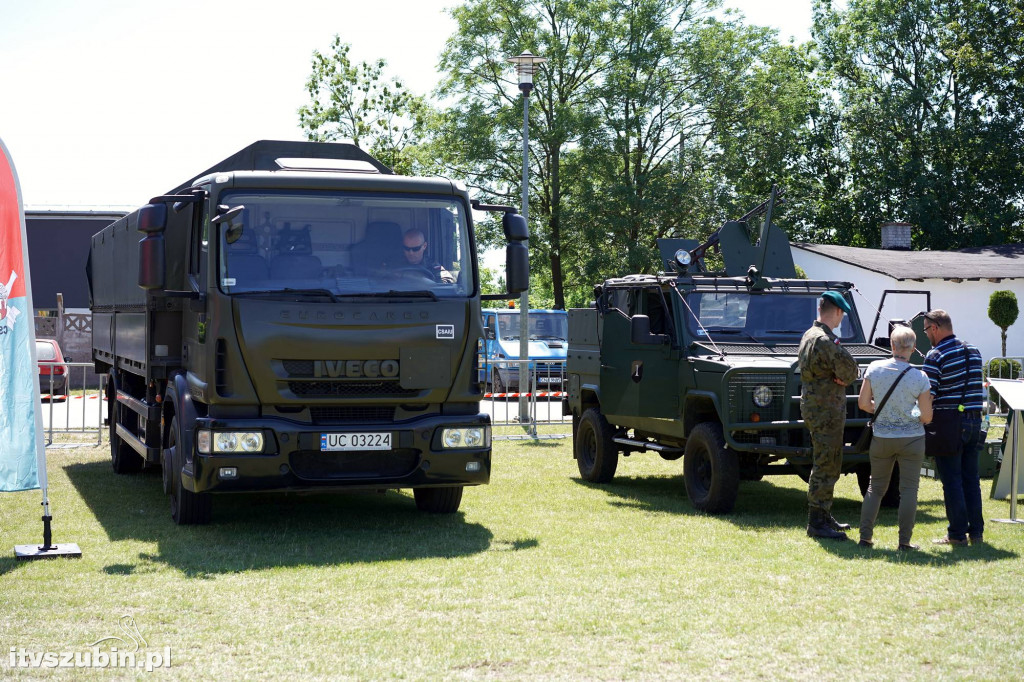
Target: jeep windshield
[
  {"x": 344, "y": 244},
  {"x": 741, "y": 317}
]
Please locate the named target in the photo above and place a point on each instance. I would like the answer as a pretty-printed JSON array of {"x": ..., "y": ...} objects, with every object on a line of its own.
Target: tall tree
[
  {"x": 479, "y": 135},
  {"x": 931, "y": 116},
  {"x": 354, "y": 101}
]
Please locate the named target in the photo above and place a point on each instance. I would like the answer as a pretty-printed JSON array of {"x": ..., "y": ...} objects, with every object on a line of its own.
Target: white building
[{"x": 959, "y": 282}]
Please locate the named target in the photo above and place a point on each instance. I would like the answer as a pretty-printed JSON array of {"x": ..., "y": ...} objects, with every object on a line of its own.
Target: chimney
[{"x": 896, "y": 236}]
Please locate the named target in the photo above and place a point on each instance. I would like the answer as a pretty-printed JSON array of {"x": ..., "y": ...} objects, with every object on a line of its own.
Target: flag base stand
[{"x": 47, "y": 550}]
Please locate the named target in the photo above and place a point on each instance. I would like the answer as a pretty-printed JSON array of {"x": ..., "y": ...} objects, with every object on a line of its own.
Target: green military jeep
[{"x": 703, "y": 366}]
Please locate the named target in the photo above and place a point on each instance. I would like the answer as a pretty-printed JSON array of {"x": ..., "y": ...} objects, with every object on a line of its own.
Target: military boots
[
  {"x": 819, "y": 526},
  {"x": 835, "y": 525}
]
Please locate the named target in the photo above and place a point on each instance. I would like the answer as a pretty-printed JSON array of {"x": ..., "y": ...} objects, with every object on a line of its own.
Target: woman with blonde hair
[{"x": 898, "y": 433}]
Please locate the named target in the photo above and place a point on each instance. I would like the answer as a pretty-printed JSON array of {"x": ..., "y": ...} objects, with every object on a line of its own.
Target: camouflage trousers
[{"x": 827, "y": 463}]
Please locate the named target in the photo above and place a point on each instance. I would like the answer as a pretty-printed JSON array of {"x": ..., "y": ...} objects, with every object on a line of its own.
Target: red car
[{"x": 51, "y": 363}]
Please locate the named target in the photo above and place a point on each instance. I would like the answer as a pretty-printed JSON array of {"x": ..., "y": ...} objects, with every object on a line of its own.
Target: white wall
[{"x": 966, "y": 302}]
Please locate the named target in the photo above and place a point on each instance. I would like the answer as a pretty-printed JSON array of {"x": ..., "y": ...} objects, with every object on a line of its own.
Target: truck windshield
[
  {"x": 742, "y": 317},
  {"x": 543, "y": 326},
  {"x": 345, "y": 244}
]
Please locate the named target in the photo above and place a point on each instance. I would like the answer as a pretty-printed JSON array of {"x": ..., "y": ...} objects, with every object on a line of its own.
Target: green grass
[{"x": 540, "y": 576}]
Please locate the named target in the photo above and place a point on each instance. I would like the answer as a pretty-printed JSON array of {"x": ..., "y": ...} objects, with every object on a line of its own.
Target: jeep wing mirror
[{"x": 640, "y": 332}]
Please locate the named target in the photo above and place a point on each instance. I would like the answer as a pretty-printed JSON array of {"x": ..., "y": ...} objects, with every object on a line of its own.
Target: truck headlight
[
  {"x": 762, "y": 396},
  {"x": 248, "y": 442},
  {"x": 466, "y": 437}
]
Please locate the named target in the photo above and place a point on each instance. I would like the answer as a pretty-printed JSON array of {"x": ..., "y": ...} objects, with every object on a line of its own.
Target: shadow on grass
[
  {"x": 925, "y": 557},
  {"x": 759, "y": 503},
  {"x": 258, "y": 531}
]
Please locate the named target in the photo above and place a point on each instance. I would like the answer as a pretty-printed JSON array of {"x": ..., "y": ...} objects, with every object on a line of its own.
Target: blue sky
[{"x": 108, "y": 102}]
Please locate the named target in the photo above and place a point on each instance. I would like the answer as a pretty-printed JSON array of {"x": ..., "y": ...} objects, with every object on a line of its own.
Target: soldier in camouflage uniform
[{"x": 826, "y": 368}]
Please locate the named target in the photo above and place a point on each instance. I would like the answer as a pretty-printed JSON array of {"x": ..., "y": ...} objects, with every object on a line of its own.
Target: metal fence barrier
[
  {"x": 73, "y": 413},
  {"x": 543, "y": 389}
]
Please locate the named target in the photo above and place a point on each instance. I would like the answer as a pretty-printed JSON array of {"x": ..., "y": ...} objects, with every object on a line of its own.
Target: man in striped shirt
[{"x": 951, "y": 365}]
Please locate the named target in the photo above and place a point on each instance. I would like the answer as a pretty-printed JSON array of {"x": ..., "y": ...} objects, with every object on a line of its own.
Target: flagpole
[{"x": 10, "y": 194}]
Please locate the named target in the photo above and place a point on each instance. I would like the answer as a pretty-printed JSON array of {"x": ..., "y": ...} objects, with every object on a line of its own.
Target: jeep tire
[
  {"x": 891, "y": 499},
  {"x": 711, "y": 471},
  {"x": 596, "y": 454}
]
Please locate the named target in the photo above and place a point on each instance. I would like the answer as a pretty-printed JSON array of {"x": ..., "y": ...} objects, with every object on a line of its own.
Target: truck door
[
  {"x": 639, "y": 379},
  {"x": 194, "y": 320}
]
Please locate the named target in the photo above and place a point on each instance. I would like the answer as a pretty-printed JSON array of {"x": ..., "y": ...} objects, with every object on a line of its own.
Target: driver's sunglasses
[{"x": 414, "y": 249}]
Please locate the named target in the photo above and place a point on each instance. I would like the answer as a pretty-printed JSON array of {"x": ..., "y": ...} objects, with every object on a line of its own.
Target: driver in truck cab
[{"x": 414, "y": 246}]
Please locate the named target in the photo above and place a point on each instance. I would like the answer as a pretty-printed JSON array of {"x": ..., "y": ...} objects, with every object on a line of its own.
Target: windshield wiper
[
  {"x": 733, "y": 330},
  {"x": 416, "y": 293},
  {"x": 784, "y": 331},
  {"x": 314, "y": 292}
]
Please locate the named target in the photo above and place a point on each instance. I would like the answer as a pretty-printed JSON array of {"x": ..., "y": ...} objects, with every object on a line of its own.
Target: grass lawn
[{"x": 540, "y": 576}]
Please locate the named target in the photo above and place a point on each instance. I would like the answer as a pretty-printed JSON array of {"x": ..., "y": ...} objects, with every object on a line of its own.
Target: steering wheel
[{"x": 415, "y": 270}]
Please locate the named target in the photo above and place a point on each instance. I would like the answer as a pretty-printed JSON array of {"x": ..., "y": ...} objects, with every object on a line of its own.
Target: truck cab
[
  {"x": 548, "y": 343},
  {"x": 297, "y": 318}
]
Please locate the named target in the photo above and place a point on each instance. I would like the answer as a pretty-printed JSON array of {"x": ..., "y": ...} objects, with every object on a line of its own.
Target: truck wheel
[
  {"x": 711, "y": 471},
  {"x": 891, "y": 499},
  {"x": 438, "y": 500},
  {"x": 187, "y": 508},
  {"x": 498, "y": 383},
  {"x": 123, "y": 459},
  {"x": 596, "y": 454}
]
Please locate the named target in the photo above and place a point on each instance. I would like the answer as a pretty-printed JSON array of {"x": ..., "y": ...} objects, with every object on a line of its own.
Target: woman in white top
[{"x": 898, "y": 433}]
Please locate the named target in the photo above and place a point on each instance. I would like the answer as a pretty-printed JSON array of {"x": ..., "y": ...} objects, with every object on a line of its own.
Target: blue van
[{"x": 549, "y": 334}]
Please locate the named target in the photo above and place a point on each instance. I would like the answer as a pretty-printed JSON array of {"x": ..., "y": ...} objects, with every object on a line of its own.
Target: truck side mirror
[
  {"x": 152, "y": 261},
  {"x": 640, "y": 332},
  {"x": 517, "y": 267},
  {"x": 515, "y": 227},
  {"x": 489, "y": 333}
]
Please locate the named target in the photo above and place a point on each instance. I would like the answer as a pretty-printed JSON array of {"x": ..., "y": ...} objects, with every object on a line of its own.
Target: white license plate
[
  {"x": 548, "y": 380},
  {"x": 333, "y": 442}
]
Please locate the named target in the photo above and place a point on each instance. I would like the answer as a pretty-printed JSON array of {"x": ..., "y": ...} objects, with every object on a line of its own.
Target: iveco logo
[{"x": 355, "y": 368}]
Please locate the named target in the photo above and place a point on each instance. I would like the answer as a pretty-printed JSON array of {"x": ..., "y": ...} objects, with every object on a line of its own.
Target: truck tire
[
  {"x": 123, "y": 458},
  {"x": 891, "y": 499},
  {"x": 711, "y": 471},
  {"x": 187, "y": 508},
  {"x": 596, "y": 454},
  {"x": 438, "y": 500},
  {"x": 498, "y": 384}
]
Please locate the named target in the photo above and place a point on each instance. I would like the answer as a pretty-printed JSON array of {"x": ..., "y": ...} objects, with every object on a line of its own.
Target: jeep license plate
[{"x": 334, "y": 442}]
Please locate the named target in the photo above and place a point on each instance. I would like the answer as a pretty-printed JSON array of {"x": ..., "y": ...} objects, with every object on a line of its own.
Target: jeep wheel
[
  {"x": 711, "y": 471},
  {"x": 596, "y": 454},
  {"x": 187, "y": 508},
  {"x": 891, "y": 499},
  {"x": 438, "y": 500},
  {"x": 123, "y": 458}
]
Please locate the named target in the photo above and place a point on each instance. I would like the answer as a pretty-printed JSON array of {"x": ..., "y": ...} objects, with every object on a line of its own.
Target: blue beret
[{"x": 836, "y": 299}]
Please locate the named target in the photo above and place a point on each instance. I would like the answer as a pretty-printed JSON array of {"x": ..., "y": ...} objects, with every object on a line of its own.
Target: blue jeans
[{"x": 961, "y": 486}]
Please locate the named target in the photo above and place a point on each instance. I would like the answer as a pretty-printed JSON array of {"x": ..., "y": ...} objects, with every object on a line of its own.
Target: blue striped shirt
[{"x": 946, "y": 372}]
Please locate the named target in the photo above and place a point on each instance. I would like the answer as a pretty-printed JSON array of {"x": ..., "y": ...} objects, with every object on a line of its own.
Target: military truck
[
  {"x": 702, "y": 365},
  {"x": 273, "y": 331}
]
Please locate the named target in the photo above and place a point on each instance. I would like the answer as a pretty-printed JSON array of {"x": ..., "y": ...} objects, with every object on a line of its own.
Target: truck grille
[
  {"x": 301, "y": 382},
  {"x": 350, "y": 389},
  {"x": 352, "y": 414},
  {"x": 331, "y": 466},
  {"x": 742, "y": 407}
]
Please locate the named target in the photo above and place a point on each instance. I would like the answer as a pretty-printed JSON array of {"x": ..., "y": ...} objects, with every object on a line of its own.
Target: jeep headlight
[
  {"x": 466, "y": 437},
  {"x": 762, "y": 396},
  {"x": 246, "y": 442}
]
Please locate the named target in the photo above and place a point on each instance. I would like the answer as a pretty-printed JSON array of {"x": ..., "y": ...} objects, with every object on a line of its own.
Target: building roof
[{"x": 985, "y": 262}]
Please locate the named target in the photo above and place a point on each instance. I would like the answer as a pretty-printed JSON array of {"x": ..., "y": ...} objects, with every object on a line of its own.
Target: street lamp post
[{"x": 526, "y": 65}]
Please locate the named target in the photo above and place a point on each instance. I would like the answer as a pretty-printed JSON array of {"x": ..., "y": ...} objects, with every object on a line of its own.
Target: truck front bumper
[{"x": 293, "y": 460}]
